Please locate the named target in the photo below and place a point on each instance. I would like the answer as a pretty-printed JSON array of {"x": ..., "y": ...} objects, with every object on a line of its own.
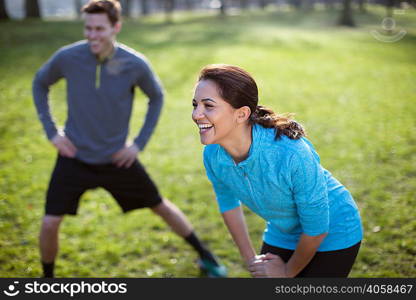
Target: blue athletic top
[{"x": 283, "y": 182}]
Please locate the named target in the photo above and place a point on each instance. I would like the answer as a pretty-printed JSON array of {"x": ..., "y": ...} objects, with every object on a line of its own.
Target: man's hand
[
  {"x": 266, "y": 266},
  {"x": 126, "y": 156},
  {"x": 64, "y": 145}
]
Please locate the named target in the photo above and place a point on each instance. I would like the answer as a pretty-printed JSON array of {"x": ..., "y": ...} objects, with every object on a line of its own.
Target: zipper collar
[
  {"x": 110, "y": 56},
  {"x": 101, "y": 62}
]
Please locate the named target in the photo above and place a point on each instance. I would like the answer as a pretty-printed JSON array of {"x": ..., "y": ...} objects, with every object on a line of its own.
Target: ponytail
[{"x": 282, "y": 123}]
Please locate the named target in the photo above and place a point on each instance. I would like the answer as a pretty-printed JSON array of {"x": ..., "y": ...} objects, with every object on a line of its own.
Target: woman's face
[{"x": 215, "y": 118}]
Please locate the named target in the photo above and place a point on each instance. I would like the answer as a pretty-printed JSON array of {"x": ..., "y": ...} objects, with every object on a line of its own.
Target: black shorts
[
  {"x": 131, "y": 187},
  {"x": 337, "y": 263}
]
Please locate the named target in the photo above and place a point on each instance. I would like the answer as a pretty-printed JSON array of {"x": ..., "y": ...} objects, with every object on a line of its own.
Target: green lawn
[{"x": 355, "y": 95}]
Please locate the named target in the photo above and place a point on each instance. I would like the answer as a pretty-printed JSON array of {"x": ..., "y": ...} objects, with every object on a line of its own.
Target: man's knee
[{"x": 51, "y": 223}]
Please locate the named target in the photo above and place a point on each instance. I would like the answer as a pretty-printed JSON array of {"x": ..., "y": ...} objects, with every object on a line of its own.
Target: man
[{"x": 92, "y": 152}]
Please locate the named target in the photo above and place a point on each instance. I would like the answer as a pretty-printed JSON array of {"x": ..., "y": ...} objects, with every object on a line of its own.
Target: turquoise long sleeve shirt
[{"x": 283, "y": 182}]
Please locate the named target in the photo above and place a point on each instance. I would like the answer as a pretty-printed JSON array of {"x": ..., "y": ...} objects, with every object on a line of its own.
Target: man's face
[{"x": 100, "y": 33}]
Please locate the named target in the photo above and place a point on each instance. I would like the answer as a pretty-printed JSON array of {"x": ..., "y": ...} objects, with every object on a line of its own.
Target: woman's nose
[{"x": 197, "y": 114}]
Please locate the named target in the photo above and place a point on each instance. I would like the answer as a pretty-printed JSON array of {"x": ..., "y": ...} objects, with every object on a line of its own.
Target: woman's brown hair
[{"x": 238, "y": 88}]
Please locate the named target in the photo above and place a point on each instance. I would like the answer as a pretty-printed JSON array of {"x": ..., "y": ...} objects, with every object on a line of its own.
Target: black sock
[
  {"x": 203, "y": 252},
  {"x": 48, "y": 269}
]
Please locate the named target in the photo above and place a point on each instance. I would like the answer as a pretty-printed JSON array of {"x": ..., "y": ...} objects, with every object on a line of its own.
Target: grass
[{"x": 355, "y": 95}]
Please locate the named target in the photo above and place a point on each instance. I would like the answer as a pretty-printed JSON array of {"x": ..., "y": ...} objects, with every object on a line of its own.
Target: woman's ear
[{"x": 243, "y": 114}]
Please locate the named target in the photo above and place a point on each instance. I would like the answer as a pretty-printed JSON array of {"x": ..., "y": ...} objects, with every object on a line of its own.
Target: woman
[{"x": 263, "y": 160}]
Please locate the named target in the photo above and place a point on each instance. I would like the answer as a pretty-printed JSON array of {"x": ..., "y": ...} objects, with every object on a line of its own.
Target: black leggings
[{"x": 336, "y": 263}]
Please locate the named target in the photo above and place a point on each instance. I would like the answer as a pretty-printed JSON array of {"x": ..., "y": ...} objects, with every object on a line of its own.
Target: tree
[
  {"x": 223, "y": 7},
  {"x": 389, "y": 7},
  {"x": 125, "y": 7},
  {"x": 169, "y": 6},
  {"x": 362, "y": 6},
  {"x": 243, "y": 4},
  {"x": 297, "y": 4},
  {"x": 309, "y": 5},
  {"x": 32, "y": 9},
  {"x": 189, "y": 4},
  {"x": 78, "y": 6},
  {"x": 346, "y": 14},
  {"x": 3, "y": 11},
  {"x": 329, "y": 4},
  {"x": 264, "y": 3},
  {"x": 145, "y": 7}
]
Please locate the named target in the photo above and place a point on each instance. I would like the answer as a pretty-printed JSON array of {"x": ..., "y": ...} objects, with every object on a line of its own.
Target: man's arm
[
  {"x": 151, "y": 86},
  {"x": 47, "y": 75}
]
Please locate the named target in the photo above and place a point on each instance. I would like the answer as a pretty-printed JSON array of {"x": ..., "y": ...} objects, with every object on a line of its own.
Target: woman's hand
[
  {"x": 255, "y": 259},
  {"x": 267, "y": 266}
]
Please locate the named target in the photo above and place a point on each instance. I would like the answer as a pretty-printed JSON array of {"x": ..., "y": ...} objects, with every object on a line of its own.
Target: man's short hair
[{"x": 111, "y": 8}]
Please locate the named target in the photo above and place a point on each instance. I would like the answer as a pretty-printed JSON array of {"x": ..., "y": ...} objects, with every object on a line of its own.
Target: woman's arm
[
  {"x": 305, "y": 250},
  {"x": 234, "y": 219},
  {"x": 273, "y": 266}
]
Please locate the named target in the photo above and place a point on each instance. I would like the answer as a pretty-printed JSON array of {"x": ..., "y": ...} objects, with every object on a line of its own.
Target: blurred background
[
  {"x": 346, "y": 68},
  {"x": 54, "y": 9}
]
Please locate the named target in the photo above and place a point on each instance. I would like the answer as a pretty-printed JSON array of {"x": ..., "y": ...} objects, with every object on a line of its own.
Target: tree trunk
[
  {"x": 389, "y": 8},
  {"x": 309, "y": 5},
  {"x": 3, "y": 11},
  {"x": 125, "y": 7},
  {"x": 329, "y": 4},
  {"x": 346, "y": 14},
  {"x": 223, "y": 7},
  {"x": 243, "y": 4},
  {"x": 145, "y": 7},
  {"x": 78, "y": 6},
  {"x": 362, "y": 6},
  {"x": 169, "y": 6},
  {"x": 189, "y": 4},
  {"x": 263, "y": 4},
  {"x": 297, "y": 4},
  {"x": 32, "y": 9}
]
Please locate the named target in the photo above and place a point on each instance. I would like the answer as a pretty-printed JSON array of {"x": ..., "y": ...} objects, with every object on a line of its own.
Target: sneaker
[{"x": 211, "y": 269}]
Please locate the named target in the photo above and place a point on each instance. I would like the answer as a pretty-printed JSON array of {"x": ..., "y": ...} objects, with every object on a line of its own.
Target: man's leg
[
  {"x": 69, "y": 179},
  {"x": 174, "y": 217},
  {"x": 179, "y": 223},
  {"x": 48, "y": 242},
  {"x": 133, "y": 189}
]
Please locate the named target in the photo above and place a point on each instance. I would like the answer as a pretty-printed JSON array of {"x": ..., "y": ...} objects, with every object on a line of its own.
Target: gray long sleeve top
[{"x": 99, "y": 97}]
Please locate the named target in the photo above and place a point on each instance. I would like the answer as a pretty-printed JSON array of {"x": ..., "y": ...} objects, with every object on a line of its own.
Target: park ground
[{"x": 355, "y": 95}]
